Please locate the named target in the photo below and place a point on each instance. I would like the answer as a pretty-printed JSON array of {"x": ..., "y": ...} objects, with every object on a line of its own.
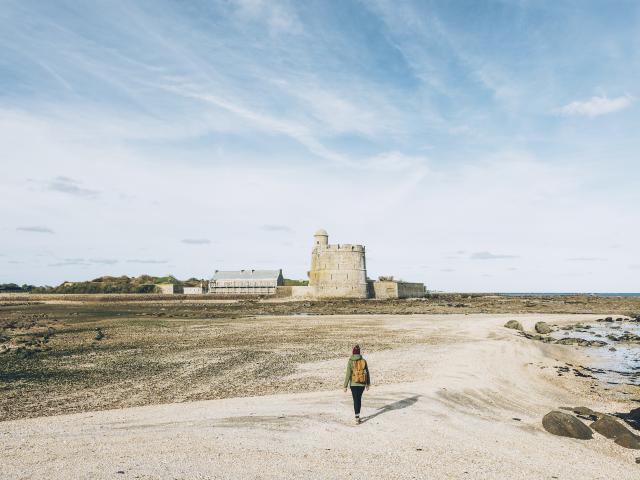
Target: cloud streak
[
  {"x": 596, "y": 106},
  {"x": 490, "y": 256},
  {"x": 35, "y": 229},
  {"x": 70, "y": 262},
  {"x": 70, "y": 186},
  {"x": 196, "y": 241},
  {"x": 586, "y": 259},
  {"x": 147, "y": 261},
  {"x": 103, "y": 261}
]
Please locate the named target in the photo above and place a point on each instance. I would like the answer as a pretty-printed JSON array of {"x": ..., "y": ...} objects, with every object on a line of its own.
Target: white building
[
  {"x": 246, "y": 282},
  {"x": 192, "y": 290},
  {"x": 165, "y": 288}
]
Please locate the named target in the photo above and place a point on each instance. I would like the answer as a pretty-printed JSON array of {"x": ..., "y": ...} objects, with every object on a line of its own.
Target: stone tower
[{"x": 337, "y": 270}]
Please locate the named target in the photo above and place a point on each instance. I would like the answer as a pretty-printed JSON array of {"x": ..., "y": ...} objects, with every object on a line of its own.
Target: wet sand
[{"x": 465, "y": 400}]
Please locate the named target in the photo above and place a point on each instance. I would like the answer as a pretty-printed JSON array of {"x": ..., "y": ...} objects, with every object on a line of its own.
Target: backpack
[{"x": 358, "y": 372}]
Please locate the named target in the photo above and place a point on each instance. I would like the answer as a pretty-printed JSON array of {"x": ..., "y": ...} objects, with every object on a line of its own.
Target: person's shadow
[{"x": 400, "y": 404}]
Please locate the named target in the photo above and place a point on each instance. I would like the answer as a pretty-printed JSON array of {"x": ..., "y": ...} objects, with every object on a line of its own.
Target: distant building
[
  {"x": 192, "y": 290},
  {"x": 246, "y": 282},
  {"x": 340, "y": 270},
  {"x": 165, "y": 288}
]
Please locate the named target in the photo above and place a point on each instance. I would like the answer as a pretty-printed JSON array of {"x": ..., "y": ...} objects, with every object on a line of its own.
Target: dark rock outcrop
[{"x": 565, "y": 425}]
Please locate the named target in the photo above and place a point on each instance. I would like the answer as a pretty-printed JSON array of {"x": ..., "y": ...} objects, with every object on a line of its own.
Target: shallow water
[{"x": 619, "y": 366}]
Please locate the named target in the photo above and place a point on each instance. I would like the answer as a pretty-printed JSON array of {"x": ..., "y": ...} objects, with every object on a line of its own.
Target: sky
[{"x": 472, "y": 146}]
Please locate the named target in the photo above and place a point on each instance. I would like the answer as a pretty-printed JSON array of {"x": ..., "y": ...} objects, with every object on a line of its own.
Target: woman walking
[{"x": 358, "y": 378}]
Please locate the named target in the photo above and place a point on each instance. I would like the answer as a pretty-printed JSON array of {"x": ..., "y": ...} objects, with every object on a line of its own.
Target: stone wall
[
  {"x": 302, "y": 292},
  {"x": 411, "y": 290},
  {"x": 383, "y": 289}
]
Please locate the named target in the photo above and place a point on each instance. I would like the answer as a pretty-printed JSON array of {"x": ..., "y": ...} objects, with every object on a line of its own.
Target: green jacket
[{"x": 347, "y": 377}]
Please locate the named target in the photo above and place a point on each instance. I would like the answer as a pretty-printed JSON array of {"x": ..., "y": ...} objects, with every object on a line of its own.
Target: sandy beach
[{"x": 468, "y": 403}]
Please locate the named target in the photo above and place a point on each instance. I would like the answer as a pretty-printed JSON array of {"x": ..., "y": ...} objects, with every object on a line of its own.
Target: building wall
[
  {"x": 165, "y": 288},
  {"x": 302, "y": 292},
  {"x": 193, "y": 290},
  {"x": 338, "y": 271},
  {"x": 383, "y": 289},
  {"x": 411, "y": 290},
  {"x": 243, "y": 287}
]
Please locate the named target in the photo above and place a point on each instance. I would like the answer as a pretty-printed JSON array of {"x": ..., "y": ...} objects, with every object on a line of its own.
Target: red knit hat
[{"x": 356, "y": 350}]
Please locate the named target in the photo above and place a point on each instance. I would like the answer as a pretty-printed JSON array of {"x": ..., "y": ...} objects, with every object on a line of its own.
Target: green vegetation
[
  {"x": 15, "y": 288},
  {"x": 288, "y": 282},
  {"x": 123, "y": 284}
]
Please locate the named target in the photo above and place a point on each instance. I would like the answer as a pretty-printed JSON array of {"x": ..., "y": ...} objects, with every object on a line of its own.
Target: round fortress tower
[{"x": 337, "y": 270}]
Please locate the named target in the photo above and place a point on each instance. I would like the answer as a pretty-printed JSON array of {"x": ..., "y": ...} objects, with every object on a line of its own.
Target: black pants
[{"x": 356, "y": 393}]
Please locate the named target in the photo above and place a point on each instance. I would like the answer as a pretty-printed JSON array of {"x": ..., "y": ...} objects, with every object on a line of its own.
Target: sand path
[{"x": 456, "y": 421}]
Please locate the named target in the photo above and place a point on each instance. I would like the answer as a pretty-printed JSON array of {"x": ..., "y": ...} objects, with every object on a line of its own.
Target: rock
[
  {"x": 565, "y": 425},
  {"x": 629, "y": 440},
  {"x": 587, "y": 412},
  {"x": 608, "y": 319},
  {"x": 609, "y": 427},
  {"x": 568, "y": 341},
  {"x": 514, "y": 324},
  {"x": 628, "y": 337},
  {"x": 543, "y": 328},
  {"x": 632, "y": 418},
  {"x": 613, "y": 349},
  {"x": 581, "y": 342}
]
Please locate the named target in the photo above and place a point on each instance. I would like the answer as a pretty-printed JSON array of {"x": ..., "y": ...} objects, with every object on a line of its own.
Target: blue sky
[{"x": 471, "y": 145}]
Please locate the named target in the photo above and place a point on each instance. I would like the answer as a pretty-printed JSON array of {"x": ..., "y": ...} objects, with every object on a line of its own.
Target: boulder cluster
[
  {"x": 632, "y": 318},
  {"x": 568, "y": 425},
  {"x": 543, "y": 331}
]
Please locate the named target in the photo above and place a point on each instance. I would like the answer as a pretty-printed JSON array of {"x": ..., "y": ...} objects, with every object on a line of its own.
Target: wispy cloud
[
  {"x": 147, "y": 261},
  {"x": 490, "y": 256},
  {"x": 196, "y": 241},
  {"x": 596, "y": 106},
  {"x": 275, "y": 228},
  {"x": 70, "y": 186},
  {"x": 586, "y": 259},
  {"x": 70, "y": 262},
  {"x": 35, "y": 229},
  {"x": 278, "y": 16},
  {"x": 104, "y": 261}
]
